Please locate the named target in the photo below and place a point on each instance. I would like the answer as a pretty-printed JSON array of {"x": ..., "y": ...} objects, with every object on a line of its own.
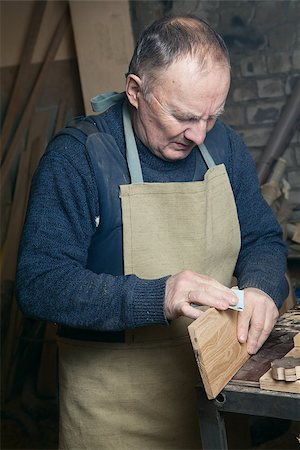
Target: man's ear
[{"x": 133, "y": 89}]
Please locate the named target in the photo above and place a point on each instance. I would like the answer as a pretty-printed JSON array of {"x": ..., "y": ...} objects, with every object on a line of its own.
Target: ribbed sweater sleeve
[
  {"x": 52, "y": 282},
  {"x": 262, "y": 259}
]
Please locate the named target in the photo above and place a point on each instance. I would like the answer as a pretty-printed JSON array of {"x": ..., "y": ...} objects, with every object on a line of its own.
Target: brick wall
[{"x": 263, "y": 38}]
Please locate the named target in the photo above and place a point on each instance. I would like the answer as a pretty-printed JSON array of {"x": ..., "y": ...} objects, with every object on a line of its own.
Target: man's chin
[{"x": 176, "y": 154}]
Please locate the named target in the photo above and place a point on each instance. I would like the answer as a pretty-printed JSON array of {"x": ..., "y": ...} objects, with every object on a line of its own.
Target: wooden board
[
  {"x": 268, "y": 383},
  {"x": 104, "y": 45},
  {"x": 15, "y": 105},
  {"x": 34, "y": 95},
  {"x": 218, "y": 352}
]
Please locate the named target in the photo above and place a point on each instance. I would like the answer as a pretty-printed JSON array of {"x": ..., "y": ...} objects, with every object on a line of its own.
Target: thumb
[{"x": 191, "y": 311}]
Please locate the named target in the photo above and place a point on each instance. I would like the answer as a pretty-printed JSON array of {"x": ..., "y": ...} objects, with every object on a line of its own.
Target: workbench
[{"x": 243, "y": 395}]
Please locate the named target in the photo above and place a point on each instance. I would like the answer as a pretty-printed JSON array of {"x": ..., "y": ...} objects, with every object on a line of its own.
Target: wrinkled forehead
[
  {"x": 188, "y": 94},
  {"x": 187, "y": 77}
]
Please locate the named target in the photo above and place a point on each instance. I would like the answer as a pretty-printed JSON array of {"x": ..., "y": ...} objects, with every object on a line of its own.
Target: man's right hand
[{"x": 187, "y": 288}]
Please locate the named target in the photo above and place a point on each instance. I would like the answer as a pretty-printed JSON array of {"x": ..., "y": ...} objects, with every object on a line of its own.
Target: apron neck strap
[
  {"x": 206, "y": 156},
  {"x": 132, "y": 156}
]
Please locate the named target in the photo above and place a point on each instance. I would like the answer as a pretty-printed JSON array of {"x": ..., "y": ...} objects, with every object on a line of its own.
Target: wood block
[
  {"x": 297, "y": 340},
  {"x": 268, "y": 383},
  {"x": 285, "y": 368},
  {"x": 218, "y": 352}
]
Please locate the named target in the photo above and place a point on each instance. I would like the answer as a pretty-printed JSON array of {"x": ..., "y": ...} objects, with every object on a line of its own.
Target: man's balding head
[{"x": 169, "y": 39}]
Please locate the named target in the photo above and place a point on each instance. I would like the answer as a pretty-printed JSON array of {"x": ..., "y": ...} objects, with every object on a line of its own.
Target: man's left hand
[{"x": 257, "y": 320}]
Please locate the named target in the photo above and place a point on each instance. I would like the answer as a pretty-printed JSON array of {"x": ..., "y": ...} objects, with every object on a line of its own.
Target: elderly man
[{"x": 137, "y": 215}]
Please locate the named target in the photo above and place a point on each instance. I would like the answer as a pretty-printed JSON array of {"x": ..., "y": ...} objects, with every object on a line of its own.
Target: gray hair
[{"x": 170, "y": 38}]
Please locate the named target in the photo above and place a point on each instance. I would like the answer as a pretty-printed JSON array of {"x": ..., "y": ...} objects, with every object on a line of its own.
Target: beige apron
[{"x": 141, "y": 394}]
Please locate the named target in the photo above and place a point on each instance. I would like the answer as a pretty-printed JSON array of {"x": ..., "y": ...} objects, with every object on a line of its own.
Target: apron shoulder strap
[
  {"x": 132, "y": 155},
  {"x": 206, "y": 156}
]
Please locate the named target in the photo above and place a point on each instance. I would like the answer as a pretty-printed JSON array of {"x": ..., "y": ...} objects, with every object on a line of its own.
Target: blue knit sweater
[{"x": 53, "y": 283}]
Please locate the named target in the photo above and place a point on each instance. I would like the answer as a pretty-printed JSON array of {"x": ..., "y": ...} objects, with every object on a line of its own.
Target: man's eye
[{"x": 189, "y": 119}]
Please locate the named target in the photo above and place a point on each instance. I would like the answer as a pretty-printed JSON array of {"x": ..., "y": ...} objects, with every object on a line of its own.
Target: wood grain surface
[{"x": 218, "y": 352}]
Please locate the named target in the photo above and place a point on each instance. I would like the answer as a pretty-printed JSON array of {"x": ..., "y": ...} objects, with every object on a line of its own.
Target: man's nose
[{"x": 196, "y": 132}]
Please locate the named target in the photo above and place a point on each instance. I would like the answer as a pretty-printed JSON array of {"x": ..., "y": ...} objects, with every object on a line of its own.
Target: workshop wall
[
  {"x": 263, "y": 38},
  {"x": 59, "y": 91},
  {"x": 16, "y": 17}
]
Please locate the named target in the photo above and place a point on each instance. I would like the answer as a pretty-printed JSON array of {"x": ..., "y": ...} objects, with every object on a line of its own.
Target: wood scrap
[
  {"x": 268, "y": 382},
  {"x": 218, "y": 352},
  {"x": 297, "y": 340},
  {"x": 289, "y": 322},
  {"x": 286, "y": 368}
]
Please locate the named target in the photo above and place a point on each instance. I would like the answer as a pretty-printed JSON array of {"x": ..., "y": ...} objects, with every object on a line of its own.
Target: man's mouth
[{"x": 182, "y": 146}]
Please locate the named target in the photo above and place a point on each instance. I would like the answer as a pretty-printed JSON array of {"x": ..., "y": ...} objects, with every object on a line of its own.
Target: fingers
[
  {"x": 213, "y": 296},
  {"x": 243, "y": 325},
  {"x": 257, "y": 320},
  {"x": 259, "y": 331},
  {"x": 257, "y": 335},
  {"x": 190, "y": 311},
  {"x": 187, "y": 288},
  {"x": 208, "y": 285}
]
